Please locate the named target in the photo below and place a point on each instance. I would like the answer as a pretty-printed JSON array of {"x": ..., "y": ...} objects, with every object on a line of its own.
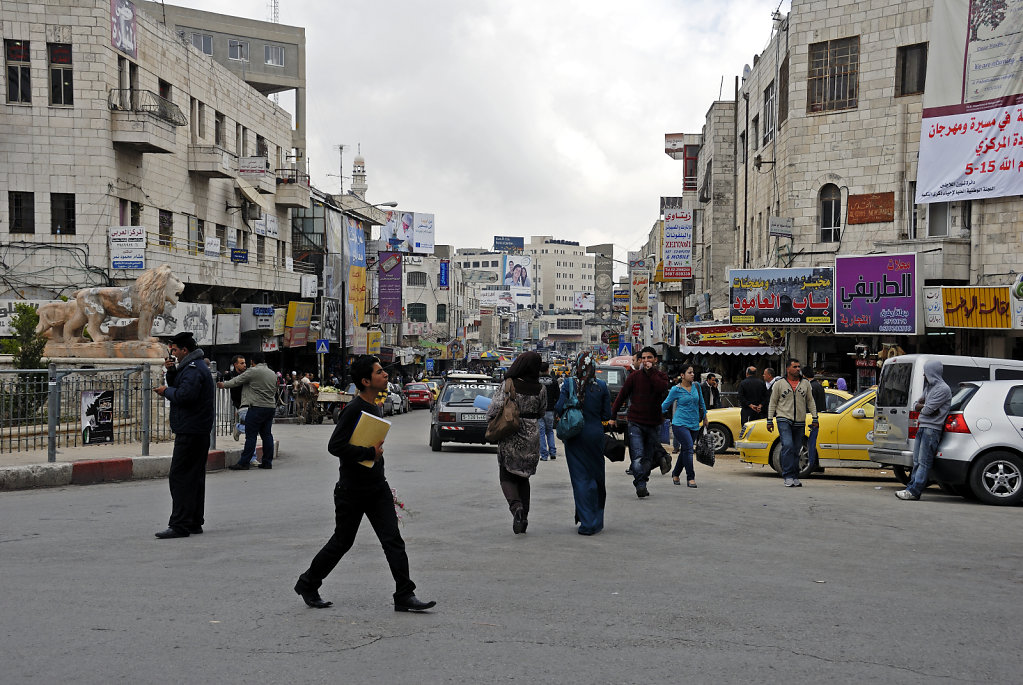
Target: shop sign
[
  {"x": 782, "y": 296},
  {"x": 976, "y": 307},
  {"x": 871, "y": 208},
  {"x": 876, "y": 294}
]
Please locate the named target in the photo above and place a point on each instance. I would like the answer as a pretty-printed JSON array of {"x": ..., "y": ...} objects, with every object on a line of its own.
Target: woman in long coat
[
  {"x": 585, "y": 452},
  {"x": 519, "y": 453}
]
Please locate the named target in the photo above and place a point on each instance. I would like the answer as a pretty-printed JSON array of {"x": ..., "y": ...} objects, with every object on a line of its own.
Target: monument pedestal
[{"x": 122, "y": 351}]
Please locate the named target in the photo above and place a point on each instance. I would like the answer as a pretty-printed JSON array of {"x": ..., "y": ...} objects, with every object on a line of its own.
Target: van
[
  {"x": 902, "y": 383},
  {"x": 615, "y": 377}
]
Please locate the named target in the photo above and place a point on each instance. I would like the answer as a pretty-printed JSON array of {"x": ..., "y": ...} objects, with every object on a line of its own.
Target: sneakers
[
  {"x": 236, "y": 433},
  {"x": 793, "y": 483},
  {"x": 906, "y": 494},
  {"x": 543, "y": 458},
  {"x": 253, "y": 462}
]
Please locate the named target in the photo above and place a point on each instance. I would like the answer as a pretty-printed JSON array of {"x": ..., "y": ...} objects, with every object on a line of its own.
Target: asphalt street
[{"x": 738, "y": 580}]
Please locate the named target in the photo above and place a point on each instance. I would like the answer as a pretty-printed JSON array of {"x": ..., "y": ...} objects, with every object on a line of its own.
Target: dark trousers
[
  {"x": 746, "y": 415},
  {"x": 258, "y": 421},
  {"x": 349, "y": 507},
  {"x": 515, "y": 489},
  {"x": 187, "y": 480}
]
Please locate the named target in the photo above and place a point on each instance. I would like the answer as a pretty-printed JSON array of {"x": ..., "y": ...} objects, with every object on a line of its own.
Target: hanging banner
[
  {"x": 678, "y": 244},
  {"x": 442, "y": 278},
  {"x": 876, "y": 294},
  {"x": 603, "y": 276},
  {"x": 389, "y": 288},
  {"x": 782, "y": 296},
  {"x": 330, "y": 319},
  {"x": 639, "y": 302}
]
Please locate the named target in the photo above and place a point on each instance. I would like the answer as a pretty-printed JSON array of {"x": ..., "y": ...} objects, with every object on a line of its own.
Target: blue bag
[{"x": 571, "y": 422}]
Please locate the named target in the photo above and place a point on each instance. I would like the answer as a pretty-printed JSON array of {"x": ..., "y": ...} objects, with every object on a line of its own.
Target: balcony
[
  {"x": 938, "y": 259},
  {"x": 256, "y": 170},
  {"x": 212, "y": 161},
  {"x": 292, "y": 189},
  {"x": 142, "y": 121}
]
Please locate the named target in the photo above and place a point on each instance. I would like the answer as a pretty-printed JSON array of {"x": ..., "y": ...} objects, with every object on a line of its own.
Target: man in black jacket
[
  {"x": 820, "y": 398},
  {"x": 190, "y": 391},
  {"x": 361, "y": 491},
  {"x": 752, "y": 396},
  {"x": 548, "y": 445},
  {"x": 711, "y": 392}
]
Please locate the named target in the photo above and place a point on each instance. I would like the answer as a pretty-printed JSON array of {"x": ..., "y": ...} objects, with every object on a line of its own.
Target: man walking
[
  {"x": 238, "y": 366},
  {"x": 647, "y": 387},
  {"x": 820, "y": 399},
  {"x": 933, "y": 407},
  {"x": 189, "y": 390},
  {"x": 361, "y": 491},
  {"x": 548, "y": 446},
  {"x": 752, "y": 396},
  {"x": 711, "y": 392},
  {"x": 769, "y": 378},
  {"x": 259, "y": 402},
  {"x": 791, "y": 400}
]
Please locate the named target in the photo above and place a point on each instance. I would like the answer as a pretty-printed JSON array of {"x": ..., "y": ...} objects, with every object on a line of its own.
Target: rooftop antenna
[{"x": 274, "y": 9}]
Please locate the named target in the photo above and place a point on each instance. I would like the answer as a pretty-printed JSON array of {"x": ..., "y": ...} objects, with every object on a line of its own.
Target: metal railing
[
  {"x": 292, "y": 176},
  {"x": 146, "y": 101}
]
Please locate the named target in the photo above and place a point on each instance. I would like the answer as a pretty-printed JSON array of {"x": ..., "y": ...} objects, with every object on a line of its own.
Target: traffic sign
[
  {"x": 624, "y": 348},
  {"x": 637, "y": 330},
  {"x": 322, "y": 346}
]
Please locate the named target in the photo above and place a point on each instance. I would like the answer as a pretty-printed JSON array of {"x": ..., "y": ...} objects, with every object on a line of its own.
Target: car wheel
[
  {"x": 775, "y": 459},
  {"x": 997, "y": 478},
  {"x": 804, "y": 460},
  {"x": 719, "y": 436},
  {"x": 902, "y": 473},
  {"x": 435, "y": 443}
]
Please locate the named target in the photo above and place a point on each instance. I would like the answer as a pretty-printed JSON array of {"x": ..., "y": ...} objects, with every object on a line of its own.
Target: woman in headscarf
[
  {"x": 519, "y": 453},
  {"x": 585, "y": 452},
  {"x": 842, "y": 384}
]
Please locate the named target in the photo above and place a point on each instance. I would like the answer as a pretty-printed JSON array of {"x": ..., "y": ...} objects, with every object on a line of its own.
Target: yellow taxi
[
  {"x": 845, "y": 433},
  {"x": 725, "y": 424},
  {"x": 434, "y": 388}
]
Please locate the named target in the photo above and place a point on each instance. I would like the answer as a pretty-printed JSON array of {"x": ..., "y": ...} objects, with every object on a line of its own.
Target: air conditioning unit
[{"x": 252, "y": 212}]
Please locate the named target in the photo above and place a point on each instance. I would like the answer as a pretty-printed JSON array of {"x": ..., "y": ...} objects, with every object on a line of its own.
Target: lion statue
[
  {"x": 52, "y": 318},
  {"x": 142, "y": 300}
]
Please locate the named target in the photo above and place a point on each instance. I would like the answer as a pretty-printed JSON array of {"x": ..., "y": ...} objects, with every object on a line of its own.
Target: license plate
[
  {"x": 881, "y": 428},
  {"x": 474, "y": 417}
]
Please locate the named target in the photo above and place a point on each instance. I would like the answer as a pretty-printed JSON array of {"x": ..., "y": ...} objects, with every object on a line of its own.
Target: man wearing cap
[
  {"x": 259, "y": 396},
  {"x": 190, "y": 391}
]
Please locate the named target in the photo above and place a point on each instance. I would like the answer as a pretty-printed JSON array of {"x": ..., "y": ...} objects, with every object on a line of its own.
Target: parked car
[
  {"x": 844, "y": 433},
  {"x": 725, "y": 424},
  {"x": 615, "y": 377},
  {"x": 455, "y": 418},
  {"x": 902, "y": 383},
  {"x": 419, "y": 395},
  {"x": 981, "y": 451},
  {"x": 402, "y": 399}
]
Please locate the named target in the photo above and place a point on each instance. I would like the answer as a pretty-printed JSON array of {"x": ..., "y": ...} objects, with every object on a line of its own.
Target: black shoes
[
  {"x": 519, "y": 522},
  {"x": 172, "y": 533},
  {"x": 239, "y": 467},
  {"x": 642, "y": 492},
  {"x": 264, "y": 465},
  {"x": 311, "y": 597},
  {"x": 412, "y": 603},
  {"x": 195, "y": 531}
]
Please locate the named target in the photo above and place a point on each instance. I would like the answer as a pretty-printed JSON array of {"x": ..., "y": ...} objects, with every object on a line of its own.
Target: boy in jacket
[
  {"x": 791, "y": 400},
  {"x": 933, "y": 407},
  {"x": 647, "y": 388}
]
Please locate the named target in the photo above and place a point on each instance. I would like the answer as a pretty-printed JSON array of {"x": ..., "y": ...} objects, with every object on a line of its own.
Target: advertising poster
[
  {"x": 398, "y": 231},
  {"x": 876, "y": 294},
  {"x": 227, "y": 330},
  {"x": 621, "y": 299},
  {"x": 123, "y": 28},
  {"x": 423, "y": 234},
  {"x": 97, "y": 416},
  {"x": 357, "y": 294},
  {"x": 509, "y": 244},
  {"x": 640, "y": 291},
  {"x": 782, "y": 296},
  {"x": 184, "y": 316},
  {"x": 516, "y": 269},
  {"x": 678, "y": 244},
  {"x": 583, "y": 302},
  {"x": 389, "y": 286},
  {"x": 443, "y": 281},
  {"x": 296, "y": 323},
  {"x": 603, "y": 277},
  {"x": 330, "y": 319},
  {"x": 127, "y": 247}
]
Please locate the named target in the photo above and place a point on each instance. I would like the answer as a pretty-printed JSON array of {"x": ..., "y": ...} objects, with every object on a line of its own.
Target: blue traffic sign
[
  {"x": 624, "y": 348},
  {"x": 322, "y": 346}
]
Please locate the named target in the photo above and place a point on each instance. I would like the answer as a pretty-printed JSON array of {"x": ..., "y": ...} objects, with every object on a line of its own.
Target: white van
[{"x": 902, "y": 383}]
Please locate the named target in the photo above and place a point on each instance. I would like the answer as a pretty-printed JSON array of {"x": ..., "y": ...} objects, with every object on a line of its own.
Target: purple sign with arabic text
[
  {"x": 390, "y": 287},
  {"x": 876, "y": 294},
  {"x": 792, "y": 296}
]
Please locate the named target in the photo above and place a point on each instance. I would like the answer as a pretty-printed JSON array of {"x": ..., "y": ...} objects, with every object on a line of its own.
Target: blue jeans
[
  {"x": 545, "y": 424},
  {"x": 258, "y": 421},
  {"x": 811, "y": 447},
  {"x": 791, "y": 435},
  {"x": 643, "y": 443},
  {"x": 924, "y": 448},
  {"x": 684, "y": 437}
]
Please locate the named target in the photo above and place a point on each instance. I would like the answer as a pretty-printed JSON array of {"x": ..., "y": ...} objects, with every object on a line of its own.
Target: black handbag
[
  {"x": 704, "y": 450},
  {"x": 614, "y": 449}
]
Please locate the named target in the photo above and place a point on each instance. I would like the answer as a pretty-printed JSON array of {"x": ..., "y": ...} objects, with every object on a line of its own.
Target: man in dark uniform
[
  {"x": 820, "y": 398},
  {"x": 362, "y": 491},
  {"x": 752, "y": 396},
  {"x": 190, "y": 392}
]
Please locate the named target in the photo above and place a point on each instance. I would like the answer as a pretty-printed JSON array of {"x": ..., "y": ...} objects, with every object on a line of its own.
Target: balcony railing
[
  {"x": 145, "y": 101},
  {"x": 289, "y": 176}
]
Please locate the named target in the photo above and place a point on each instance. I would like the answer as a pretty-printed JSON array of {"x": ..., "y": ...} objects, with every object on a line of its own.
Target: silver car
[{"x": 981, "y": 451}]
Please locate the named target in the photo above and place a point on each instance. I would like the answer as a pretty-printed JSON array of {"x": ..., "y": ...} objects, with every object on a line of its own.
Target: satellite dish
[{"x": 745, "y": 72}]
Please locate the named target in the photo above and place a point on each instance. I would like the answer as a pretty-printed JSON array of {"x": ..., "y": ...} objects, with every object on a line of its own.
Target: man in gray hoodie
[{"x": 933, "y": 407}]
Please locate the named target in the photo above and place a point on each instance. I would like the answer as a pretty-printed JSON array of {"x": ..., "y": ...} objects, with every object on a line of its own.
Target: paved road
[{"x": 738, "y": 580}]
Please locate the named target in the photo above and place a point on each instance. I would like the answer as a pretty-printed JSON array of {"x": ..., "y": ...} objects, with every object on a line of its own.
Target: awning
[
  {"x": 710, "y": 349},
  {"x": 251, "y": 194}
]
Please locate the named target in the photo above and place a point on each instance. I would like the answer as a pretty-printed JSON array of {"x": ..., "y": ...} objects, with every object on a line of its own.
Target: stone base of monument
[{"x": 122, "y": 350}]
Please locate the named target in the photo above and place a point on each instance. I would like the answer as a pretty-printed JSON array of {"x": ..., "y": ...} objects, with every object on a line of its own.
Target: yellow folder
[{"x": 369, "y": 432}]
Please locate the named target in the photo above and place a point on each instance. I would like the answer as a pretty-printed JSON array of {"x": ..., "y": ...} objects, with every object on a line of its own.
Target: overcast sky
[{"x": 515, "y": 117}]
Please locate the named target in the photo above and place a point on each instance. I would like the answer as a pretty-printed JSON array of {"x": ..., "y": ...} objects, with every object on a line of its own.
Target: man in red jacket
[{"x": 647, "y": 387}]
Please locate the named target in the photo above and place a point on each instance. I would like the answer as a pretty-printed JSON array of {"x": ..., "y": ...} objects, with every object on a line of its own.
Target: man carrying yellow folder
[{"x": 362, "y": 490}]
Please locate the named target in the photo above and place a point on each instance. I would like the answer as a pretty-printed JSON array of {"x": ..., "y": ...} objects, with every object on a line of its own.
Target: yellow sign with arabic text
[
  {"x": 357, "y": 293},
  {"x": 983, "y": 307},
  {"x": 299, "y": 314}
]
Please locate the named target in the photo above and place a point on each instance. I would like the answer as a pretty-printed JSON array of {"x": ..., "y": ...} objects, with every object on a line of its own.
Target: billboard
[
  {"x": 638, "y": 296},
  {"x": 509, "y": 244},
  {"x": 621, "y": 299},
  {"x": 973, "y": 103},
  {"x": 678, "y": 244},
  {"x": 389, "y": 288},
  {"x": 584, "y": 302},
  {"x": 397, "y": 231},
  {"x": 330, "y": 319},
  {"x": 876, "y": 294},
  {"x": 603, "y": 276},
  {"x": 422, "y": 234},
  {"x": 502, "y": 298},
  {"x": 516, "y": 270},
  {"x": 782, "y": 296}
]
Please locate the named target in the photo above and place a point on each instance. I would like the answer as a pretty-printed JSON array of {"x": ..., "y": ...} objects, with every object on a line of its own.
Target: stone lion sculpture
[
  {"x": 143, "y": 300},
  {"x": 52, "y": 318}
]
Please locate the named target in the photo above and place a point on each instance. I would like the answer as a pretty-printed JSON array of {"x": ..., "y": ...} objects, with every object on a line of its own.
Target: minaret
[{"x": 359, "y": 186}]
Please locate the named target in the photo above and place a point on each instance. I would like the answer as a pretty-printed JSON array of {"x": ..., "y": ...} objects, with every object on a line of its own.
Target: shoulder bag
[
  {"x": 571, "y": 422},
  {"x": 507, "y": 422}
]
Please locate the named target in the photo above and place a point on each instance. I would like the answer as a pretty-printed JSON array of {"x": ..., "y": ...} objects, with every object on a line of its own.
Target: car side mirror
[{"x": 866, "y": 412}]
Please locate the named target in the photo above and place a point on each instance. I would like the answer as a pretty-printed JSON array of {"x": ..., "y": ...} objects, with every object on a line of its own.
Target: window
[
  {"x": 22, "y": 207},
  {"x": 273, "y": 55},
  {"x": 166, "y": 235},
  {"x": 417, "y": 311},
  {"x": 62, "y": 213},
  {"x": 222, "y": 235},
  {"x": 165, "y": 90},
  {"x": 260, "y": 249},
  {"x": 62, "y": 92},
  {"x": 937, "y": 219},
  {"x": 830, "y": 213},
  {"x": 783, "y": 91},
  {"x": 442, "y": 313},
  {"x": 136, "y": 214},
  {"x": 769, "y": 113},
  {"x": 19, "y": 72},
  {"x": 219, "y": 122},
  {"x": 203, "y": 42},
  {"x": 741, "y": 152},
  {"x": 238, "y": 50},
  {"x": 200, "y": 114},
  {"x": 261, "y": 148},
  {"x": 239, "y": 150},
  {"x": 911, "y": 210},
  {"x": 475, "y": 265},
  {"x": 416, "y": 279},
  {"x": 910, "y": 69},
  {"x": 1014, "y": 402},
  {"x": 832, "y": 82},
  {"x": 689, "y": 167},
  {"x": 754, "y": 141}
]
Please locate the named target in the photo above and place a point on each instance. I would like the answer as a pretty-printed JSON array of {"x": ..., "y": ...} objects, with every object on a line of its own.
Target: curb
[{"x": 91, "y": 471}]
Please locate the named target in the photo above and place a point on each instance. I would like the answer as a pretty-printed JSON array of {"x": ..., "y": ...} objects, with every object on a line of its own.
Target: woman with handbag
[
  {"x": 518, "y": 450},
  {"x": 584, "y": 451},
  {"x": 690, "y": 414}
]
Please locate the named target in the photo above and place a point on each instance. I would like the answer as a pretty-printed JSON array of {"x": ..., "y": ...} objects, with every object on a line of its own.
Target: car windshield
[
  {"x": 416, "y": 386},
  {"x": 465, "y": 393},
  {"x": 850, "y": 402},
  {"x": 611, "y": 376}
]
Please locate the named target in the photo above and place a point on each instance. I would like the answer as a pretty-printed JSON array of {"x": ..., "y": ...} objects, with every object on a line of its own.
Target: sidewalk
[{"x": 104, "y": 463}]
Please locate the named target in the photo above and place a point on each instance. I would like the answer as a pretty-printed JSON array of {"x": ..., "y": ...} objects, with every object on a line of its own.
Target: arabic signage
[
  {"x": 297, "y": 323},
  {"x": 127, "y": 247},
  {"x": 508, "y": 244},
  {"x": 257, "y": 317},
  {"x": 678, "y": 244},
  {"x": 621, "y": 299},
  {"x": 239, "y": 256},
  {"x": 603, "y": 275},
  {"x": 779, "y": 227},
  {"x": 389, "y": 288},
  {"x": 252, "y": 166},
  {"x": 732, "y": 336},
  {"x": 976, "y": 307},
  {"x": 971, "y": 132},
  {"x": 123, "y": 27},
  {"x": 423, "y": 234},
  {"x": 639, "y": 302},
  {"x": 871, "y": 208},
  {"x": 443, "y": 282},
  {"x": 876, "y": 294},
  {"x": 373, "y": 340},
  {"x": 583, "y": 302},
  {"x": 782, "y": 296}
]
